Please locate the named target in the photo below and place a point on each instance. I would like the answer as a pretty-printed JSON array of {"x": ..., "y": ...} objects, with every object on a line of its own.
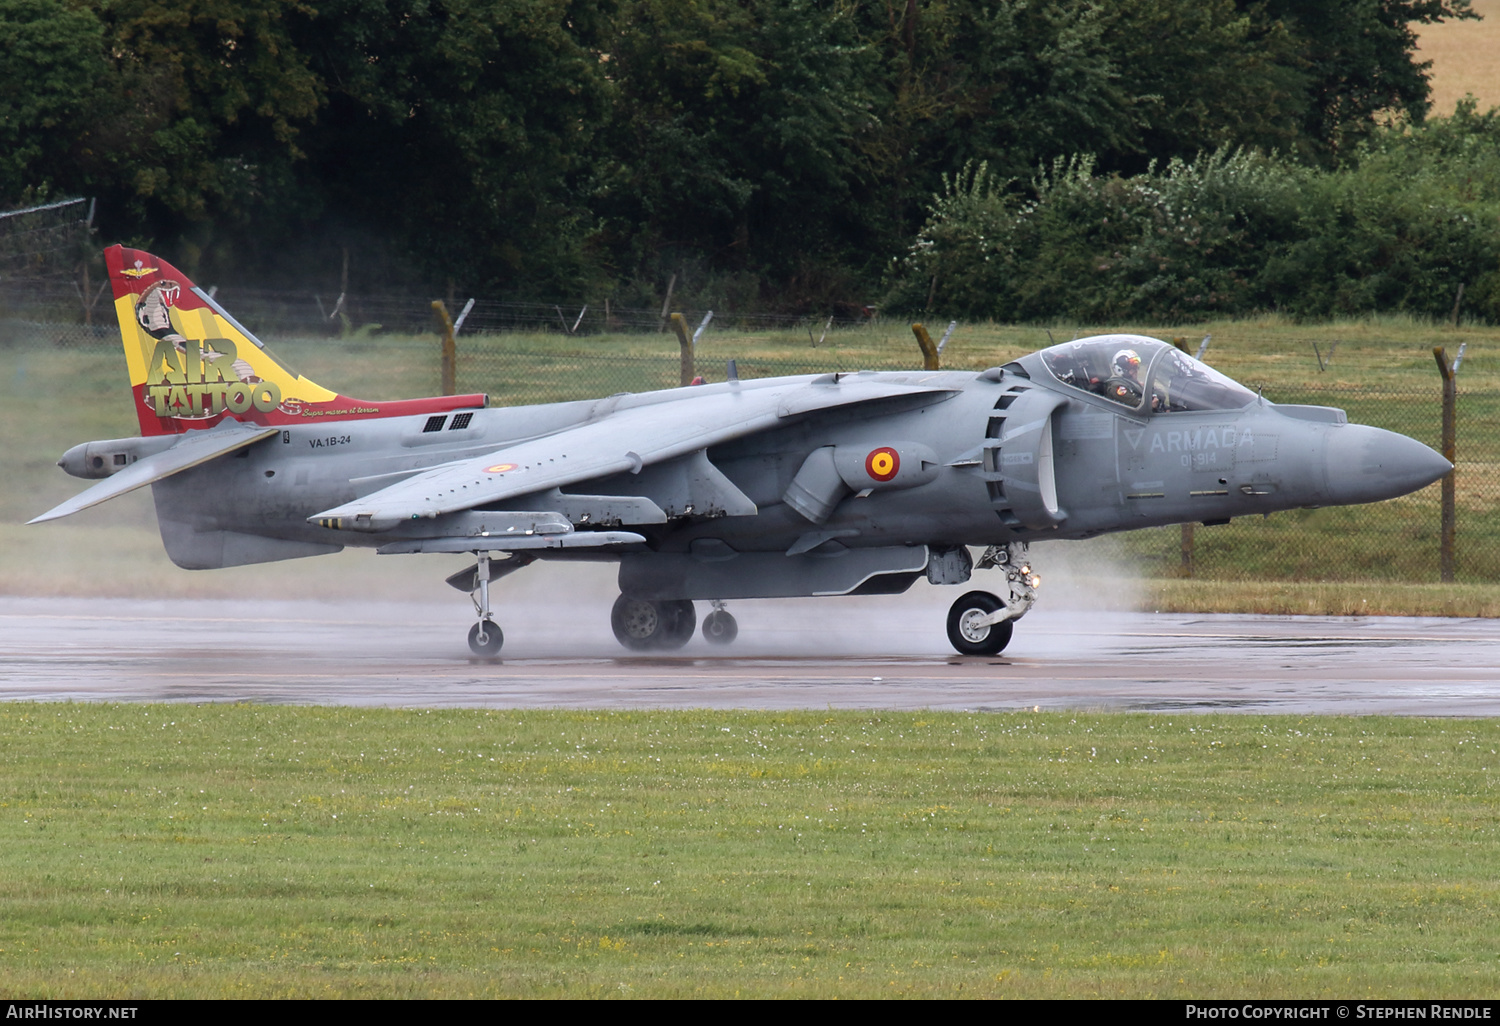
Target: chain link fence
[{"x": 1396, "y": 540}]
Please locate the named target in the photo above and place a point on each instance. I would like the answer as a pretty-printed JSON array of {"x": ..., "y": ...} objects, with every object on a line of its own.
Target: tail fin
[{"x": 192, "y": 365}]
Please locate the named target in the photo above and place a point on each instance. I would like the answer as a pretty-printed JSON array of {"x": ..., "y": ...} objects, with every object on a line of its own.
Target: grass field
[
  {"x": 239, "y": 851},
  {"x": 218, "y": 851}
]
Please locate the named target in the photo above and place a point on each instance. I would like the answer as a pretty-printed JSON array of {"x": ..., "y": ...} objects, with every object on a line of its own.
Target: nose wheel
[{"x": 979, "y": 624}]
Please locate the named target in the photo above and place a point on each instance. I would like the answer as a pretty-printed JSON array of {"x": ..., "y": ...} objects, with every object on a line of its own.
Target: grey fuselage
[{"x": 1007, "y": 455}]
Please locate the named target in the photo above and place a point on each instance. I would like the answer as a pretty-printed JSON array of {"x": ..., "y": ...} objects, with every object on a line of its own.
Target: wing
[
  {"x": 194, "y": 448},
  {"x": 623, "y": 440}
]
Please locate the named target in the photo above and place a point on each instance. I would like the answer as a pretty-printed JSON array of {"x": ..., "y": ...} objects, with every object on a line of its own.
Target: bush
[{"x": 1229, "y": 234}]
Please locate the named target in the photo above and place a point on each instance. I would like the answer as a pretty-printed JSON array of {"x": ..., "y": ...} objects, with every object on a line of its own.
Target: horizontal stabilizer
[{"x": 193, "y": 449}]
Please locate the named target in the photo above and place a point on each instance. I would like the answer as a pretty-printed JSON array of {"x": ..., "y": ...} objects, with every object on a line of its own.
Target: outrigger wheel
[
  {"x": 645, "y": 624},
  {"x": 969, "y": 627},
  {"x": 485, "y": 638}
]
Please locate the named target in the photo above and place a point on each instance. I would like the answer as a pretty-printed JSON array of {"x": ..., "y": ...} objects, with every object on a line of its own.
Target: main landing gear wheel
[
  {"x": 642, "y": 624},
  {"x": 485, "y": 638},
  {"x": 967, "y": 631},
  {"x": 719, "y": 628}
]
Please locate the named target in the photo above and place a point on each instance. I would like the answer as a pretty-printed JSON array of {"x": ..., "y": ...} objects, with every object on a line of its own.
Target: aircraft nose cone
[{"x": 1368, "y": 464}]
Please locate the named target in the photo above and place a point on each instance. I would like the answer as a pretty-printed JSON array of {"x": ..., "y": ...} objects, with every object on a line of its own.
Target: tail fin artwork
[{"x": 193, "y": 366}]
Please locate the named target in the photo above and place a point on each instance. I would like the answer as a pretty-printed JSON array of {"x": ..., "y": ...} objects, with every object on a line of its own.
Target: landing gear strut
[
  {"x": 485, "y": 638},
  {"x": 643, "y": 624},
  {"x": 980, "y": 623}
]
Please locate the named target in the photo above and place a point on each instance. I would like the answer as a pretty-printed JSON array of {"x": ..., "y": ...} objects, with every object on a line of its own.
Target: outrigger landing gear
[
  {"x": 982, "y": 624},
  {"x": 485, "y": 638},
  {"x": 719, "y": 628},
  {"x": 644, "y": 624}
]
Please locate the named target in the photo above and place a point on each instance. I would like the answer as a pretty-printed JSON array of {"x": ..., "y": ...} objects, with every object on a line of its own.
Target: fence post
[
  {"x": 685, "y": 344},
  {"x": 450, "y": 348},
  {"x": 1188, "y": 528},
  {"x": 929, "y": 351},
  {"x": 1450, "y": 426}
]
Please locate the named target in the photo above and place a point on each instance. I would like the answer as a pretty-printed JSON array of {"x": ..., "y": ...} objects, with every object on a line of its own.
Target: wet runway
[{"x": 878, "y": 653}]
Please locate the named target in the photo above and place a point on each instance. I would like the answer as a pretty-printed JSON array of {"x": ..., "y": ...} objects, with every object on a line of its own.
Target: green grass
[
  {"x": 217, "y": 851},
  {"x": 1321, "y": 598}
]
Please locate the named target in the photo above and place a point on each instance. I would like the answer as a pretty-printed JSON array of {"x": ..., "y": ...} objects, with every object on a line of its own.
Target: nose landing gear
[
  {"x": 982, "y": 624},
  {"x": 971, "y": 627}
]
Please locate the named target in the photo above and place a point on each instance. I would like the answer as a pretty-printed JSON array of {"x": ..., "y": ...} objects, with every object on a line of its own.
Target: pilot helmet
[{"x": 1127, "y": 362}]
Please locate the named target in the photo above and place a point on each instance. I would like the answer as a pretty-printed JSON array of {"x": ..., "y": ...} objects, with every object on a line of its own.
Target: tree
[
  {"x": 730, "y": 146},
  {"x": 1204, "y": 74},
  {"x": 51, "y": 75},
  {"x": 201, "y": 116},
  {"x": 1361, "y": 62},
  {"x": 454, "y": 134}
]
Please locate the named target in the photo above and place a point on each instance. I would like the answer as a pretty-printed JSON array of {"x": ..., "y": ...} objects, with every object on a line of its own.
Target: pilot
[{"x": 1124, "y": 384}]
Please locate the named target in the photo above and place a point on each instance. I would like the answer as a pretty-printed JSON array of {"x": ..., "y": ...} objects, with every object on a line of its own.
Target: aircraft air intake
[{"x": 1019, "y": 462}]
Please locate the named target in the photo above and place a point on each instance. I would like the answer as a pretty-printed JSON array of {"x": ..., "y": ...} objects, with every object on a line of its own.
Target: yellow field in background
[{"x": 1465, "y": 58}]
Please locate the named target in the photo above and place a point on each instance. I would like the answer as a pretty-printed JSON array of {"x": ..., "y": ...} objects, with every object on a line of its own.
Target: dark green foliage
[
  {"x": 199, "y": 116},
  {"x": 52, "y": 66},
  {"x": 1414, "y": 215},
  {"x": 1206, "y": 74},
  {"x": 1184, "y": 242},
  {"x": 766, "y": 152},
  {"x": 454, "y": 135},
  {"x": 1359, "y": 57}
]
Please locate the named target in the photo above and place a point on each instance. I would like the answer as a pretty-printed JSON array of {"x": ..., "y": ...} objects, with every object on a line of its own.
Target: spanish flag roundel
[
  {"x": 499, "y": 468},
  {"x": 883, "y": 463}
]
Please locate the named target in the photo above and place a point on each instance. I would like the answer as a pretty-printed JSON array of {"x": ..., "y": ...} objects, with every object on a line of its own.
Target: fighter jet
[{"x": 831, "y": 484}]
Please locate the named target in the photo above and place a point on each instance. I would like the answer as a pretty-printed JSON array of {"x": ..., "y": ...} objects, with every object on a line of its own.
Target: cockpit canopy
[{"x": 1143, "y": 374}]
